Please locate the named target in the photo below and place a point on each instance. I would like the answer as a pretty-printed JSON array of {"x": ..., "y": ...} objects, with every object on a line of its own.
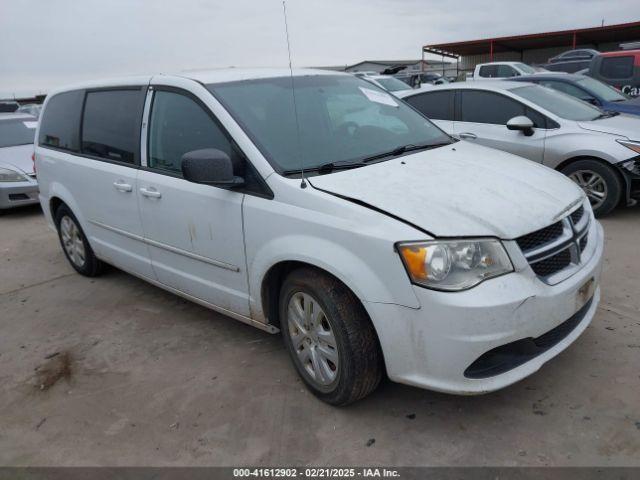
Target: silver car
[
  {"x": 18, "y": 185},
  {"x": 599, "y": 151}
]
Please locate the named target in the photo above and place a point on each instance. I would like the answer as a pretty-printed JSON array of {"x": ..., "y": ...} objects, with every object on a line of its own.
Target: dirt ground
[{"x": 114, "y": 371}]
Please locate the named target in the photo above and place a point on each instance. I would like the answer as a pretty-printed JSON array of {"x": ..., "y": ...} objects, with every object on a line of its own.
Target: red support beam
[
  {"x": 574, "y": 41},
  {"x": 491, "y": 50}
]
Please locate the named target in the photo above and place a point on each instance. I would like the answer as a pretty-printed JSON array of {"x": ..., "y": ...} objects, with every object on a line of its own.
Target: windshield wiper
[
  {"x": 404, "y": 149},
  {"x": 328, "y": 167},
  {"x": 347, "y": 164},
  {"x": 607, "y": 115}
]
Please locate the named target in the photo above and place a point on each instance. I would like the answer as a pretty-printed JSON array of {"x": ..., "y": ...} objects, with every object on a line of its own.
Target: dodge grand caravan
[{"x": 319, "y": 206}]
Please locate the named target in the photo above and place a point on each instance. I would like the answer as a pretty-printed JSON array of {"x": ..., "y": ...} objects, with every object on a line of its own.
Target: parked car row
[
  {"x": 620, "y": 69},
  {"x": 332, "y": 211}
]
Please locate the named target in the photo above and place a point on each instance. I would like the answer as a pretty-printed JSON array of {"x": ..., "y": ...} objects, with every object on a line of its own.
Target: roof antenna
[{"x": 303, "y": 183}]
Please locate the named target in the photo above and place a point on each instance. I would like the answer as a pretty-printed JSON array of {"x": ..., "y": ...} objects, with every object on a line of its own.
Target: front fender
[{"x": 351, "y": 269}]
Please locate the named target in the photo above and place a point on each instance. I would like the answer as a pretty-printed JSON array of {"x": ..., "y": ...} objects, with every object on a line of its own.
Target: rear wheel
[
  {"x": 329, "y": 336},
  {"x": 75, "y": 244},
  {"x": 600, "y": 183}
]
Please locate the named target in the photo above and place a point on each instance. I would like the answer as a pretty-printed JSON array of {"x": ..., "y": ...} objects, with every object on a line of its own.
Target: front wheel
[
  {"x": 600, "y": 183},
  {"x": 329, "y": 336}
]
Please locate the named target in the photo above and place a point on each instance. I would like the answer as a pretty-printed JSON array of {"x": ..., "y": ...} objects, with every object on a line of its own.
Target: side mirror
[
  {"x": 521, "y": 123},
  {"x": 210, "y": 166}
]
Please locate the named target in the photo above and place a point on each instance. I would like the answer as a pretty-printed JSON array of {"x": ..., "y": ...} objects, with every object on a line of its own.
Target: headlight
[
  {"x": 7, "y": 175},
  {"x": 454, "y": 264},
  {"x": 635, "y": 146}
]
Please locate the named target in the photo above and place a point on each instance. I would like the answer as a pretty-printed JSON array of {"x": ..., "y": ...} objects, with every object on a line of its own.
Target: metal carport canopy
[{"x": 624, "y": 32}]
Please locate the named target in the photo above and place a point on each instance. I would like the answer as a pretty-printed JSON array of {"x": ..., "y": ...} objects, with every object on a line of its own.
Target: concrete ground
[{"x": 146, "y": 378}]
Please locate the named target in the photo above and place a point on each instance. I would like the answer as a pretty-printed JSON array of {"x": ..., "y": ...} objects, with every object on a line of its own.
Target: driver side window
[
  {"x": 488, "y": 107},
  {"x": 505, "y": 71},
  {"x": 178, "y": 125}
]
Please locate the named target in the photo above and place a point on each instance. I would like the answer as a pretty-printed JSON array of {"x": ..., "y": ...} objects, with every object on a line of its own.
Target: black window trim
[
  {"x": 136, "y": 154},
  {"x": 550, "y": 124},
  {"x": 265, "y": 192}
]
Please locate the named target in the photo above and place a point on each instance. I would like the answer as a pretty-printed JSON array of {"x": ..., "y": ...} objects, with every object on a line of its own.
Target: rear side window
[
  {"x": 434, "y": 105},
  {"x": 60, "y": 122},
  {"x": 489, "y": 71},
  {"x": 617, "y": 67},
  {"x": 179, "y": 125},
  {"x": 111, "y": 124}
]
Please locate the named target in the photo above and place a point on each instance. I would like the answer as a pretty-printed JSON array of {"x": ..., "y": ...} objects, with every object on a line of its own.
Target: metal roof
[{"x": 622, "y": 32}]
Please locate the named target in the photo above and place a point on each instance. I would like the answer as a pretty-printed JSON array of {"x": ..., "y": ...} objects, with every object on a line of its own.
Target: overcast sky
[{"x": 44, "y": 43}]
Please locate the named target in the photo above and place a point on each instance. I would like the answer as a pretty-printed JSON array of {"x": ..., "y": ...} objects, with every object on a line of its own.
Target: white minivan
[{"x": 316, "y": 204}]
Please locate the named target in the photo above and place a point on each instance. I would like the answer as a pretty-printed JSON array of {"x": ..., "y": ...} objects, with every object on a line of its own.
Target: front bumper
[
  {"x": 433, "y": 346},
  {"x": 631, "y": 181},
  {"x": 17, "y": 194}
]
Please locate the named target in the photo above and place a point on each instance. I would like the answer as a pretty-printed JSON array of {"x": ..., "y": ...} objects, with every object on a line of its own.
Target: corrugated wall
[{"x": 531, "y": 57}]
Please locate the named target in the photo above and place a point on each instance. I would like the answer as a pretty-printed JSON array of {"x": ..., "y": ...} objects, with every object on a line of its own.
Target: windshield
[
  {"x": 340, "y": 118},
  {"x": 17, "y": 132},
  {"x": 525, "y": 68},
  {"x": 602, "y": 90},
  {"x": 558, "y": 103},
  {"x": 393, "y": 84}
]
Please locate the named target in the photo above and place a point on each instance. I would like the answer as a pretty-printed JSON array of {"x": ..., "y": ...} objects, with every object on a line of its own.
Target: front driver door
[
  {"x": 194, "y": 231},
  {"x": 482, "y": 118}
]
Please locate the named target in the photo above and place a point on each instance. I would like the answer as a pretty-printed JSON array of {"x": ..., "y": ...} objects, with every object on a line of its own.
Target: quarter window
[
  {"x": 179, "y": 125},
  {"x": 617, "y": 67},
  {"x": 434, "y": 105},
  {"x": 60, "y": 122},
  {"x": 111, "y": 124}
]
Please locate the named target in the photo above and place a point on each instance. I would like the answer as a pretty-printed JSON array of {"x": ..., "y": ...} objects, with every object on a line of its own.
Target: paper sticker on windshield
[
  {"x": 378, "y": 97},
  {"x": 30, "y": 124}
]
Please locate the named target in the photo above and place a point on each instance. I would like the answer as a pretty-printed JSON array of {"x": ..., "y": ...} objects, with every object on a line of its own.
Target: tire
[
  {"x": 353, "y": 368},
  {"x": 75, "y": 244},
  {"x": 605, "y": 194}
]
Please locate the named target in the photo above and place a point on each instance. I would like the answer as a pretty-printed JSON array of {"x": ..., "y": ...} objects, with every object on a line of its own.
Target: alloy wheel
[
  {"x": 312, "y": 338},
  {"x": 72, "y": 241},
  {"x": 593, "y": 185}
]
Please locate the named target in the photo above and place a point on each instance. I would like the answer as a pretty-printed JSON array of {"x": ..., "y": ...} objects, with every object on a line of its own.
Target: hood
[
  {"x": 460, "y": 190},
  {"x": 18, "y": 157},
  {"x": 622, "y": 125},
  {"x": 631, "y": 106}
]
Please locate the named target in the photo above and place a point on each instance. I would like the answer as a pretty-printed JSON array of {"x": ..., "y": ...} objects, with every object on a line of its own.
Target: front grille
[
  {"x": 553, "y": 264},
  {"x": 577, "y": 215},
  {"x": 556, "y": 247},
  {"x": 583, "y": 243},
  {"x": 540, "y": 237}
]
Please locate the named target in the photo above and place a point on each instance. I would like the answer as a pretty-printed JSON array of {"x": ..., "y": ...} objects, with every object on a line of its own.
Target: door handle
[
  {"x": 150, "y": 192},
  {"x": 468, "y": 135},
  {"x": 121, "y": 186}
]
